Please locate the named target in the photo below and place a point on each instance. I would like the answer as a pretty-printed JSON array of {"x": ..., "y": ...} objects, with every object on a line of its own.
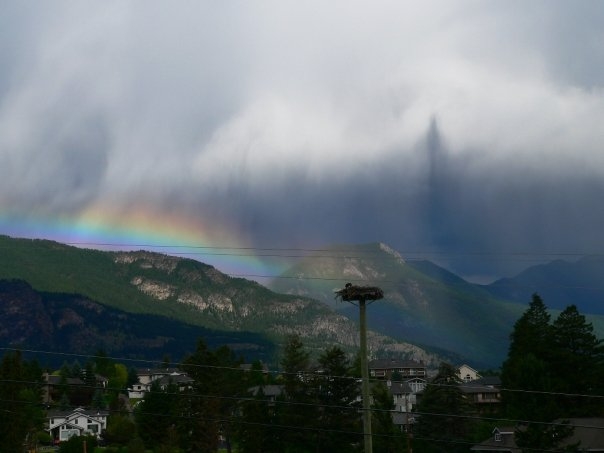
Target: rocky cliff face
[
  {"x": 240, "y": 305},
  {"x": 183, "y": 299}
]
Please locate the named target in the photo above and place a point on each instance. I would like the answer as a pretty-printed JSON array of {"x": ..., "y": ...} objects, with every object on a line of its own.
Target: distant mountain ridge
[
  {"x": 423, "y": 304},
  {"x": 428, "y": 305},
  {"x": 560, "y": 283},
  {"x": 182, "y": 290},
  {"x": 428, "y": 312}
]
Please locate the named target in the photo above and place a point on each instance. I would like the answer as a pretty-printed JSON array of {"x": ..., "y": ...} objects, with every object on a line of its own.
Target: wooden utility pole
[{"x": 362, "y": 294}]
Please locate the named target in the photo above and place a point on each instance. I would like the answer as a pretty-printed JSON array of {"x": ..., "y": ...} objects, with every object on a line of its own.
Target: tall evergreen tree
[
  {"x": 443, "y": 425},
  {"x": 527, "y": 366},
  {"x": 387, "y": 438},
  {"x": 211, "y": 403},
  {"x": 296, "y": 409},
  {"x": 254, "y": 431},
  {"x": 156, "y": 414},
  {"x": 577, "y": 357},
  {"x": 549, "y": 373},
  {"x": 545, "y": 437},
  {"x": 20, "y": 401},
  {"x": 338, "y": 418},
  {"x": 532, "y": 331}
]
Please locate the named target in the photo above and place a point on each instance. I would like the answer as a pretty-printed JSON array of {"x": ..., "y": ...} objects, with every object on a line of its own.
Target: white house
[
  {"x": 76, "y": 422},
  {"x": 467, "y": 374},
  {"x": 164, "y": 375},
  {"x": 404, "y": 394}
]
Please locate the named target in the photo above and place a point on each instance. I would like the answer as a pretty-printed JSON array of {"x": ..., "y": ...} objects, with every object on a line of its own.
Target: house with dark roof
[
  {"x": 55, "y": 386},
  {"x": 588, "y": 435},
  {"x": 502, "y": 440},
  {"x": 270, "y": 392},
  {"x": 405, "y": 369},
  {"x": 485, "y": 399},
  {"x": 404, "y": 393},
  {"x": 164, "y": 376}
]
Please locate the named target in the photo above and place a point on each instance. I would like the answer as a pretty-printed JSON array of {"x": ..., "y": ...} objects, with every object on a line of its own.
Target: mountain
[
  {"x": 560, "y": 284},
  {"x": 179, "y": 290},
  {"x": 72, "y": 324},
  {"x": 424, "y": 304}
]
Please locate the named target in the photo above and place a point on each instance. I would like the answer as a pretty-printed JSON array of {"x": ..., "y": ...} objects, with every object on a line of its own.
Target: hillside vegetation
[{"x": 187, "y": 291}]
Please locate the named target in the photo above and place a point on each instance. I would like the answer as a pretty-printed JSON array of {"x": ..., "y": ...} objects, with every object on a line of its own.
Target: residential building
[
  {"x": 164, "y": 376},
  {"x": 588, "y": 434},
  {"x": 55, "y": 386},
  {"x": 270, "y": 391},
  {"x": 404, "y": 396},
  {"x": 404, "y": 393},
  {"x": 486, "y": 399},
  {"x": 501, "y": 441},
  {"x": 76, "y": 422},
  {"x": 467, "y": 373},
  {"x": 404, "y": 369}
]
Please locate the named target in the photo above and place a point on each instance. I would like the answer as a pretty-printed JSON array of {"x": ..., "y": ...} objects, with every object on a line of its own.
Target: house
[
  {"x": 404, "y": 397},
  {"x": 401, "y": 395},
  {"x": 467, "y": 374},
  {"x": 404, "y": 393},
  {"x": 486, "y": 399},
  {"x": 492, "y": 381},
  {"x": 165, "y": 376},
  {"x": 403, "y": 421},
  {"x": 405, "y": 369},
  {"x": 148, "y": 375},
  {"x": 588, "y": 433},
  {"x": 76, "y": 422},
  {"x": 271, "y": 392},
  {"x": 182, "y": 380},
  {"x": 55, "y": 386},
  {"x": 501, "y": 441},
  {"x": 80, "y": 392}
]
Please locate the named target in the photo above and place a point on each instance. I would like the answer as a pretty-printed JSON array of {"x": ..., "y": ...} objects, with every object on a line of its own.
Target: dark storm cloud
[
  {"x": 443, "y": 126},
  {"x": 436, "y": 205}
]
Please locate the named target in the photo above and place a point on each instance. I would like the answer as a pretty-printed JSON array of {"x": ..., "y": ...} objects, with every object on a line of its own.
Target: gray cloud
[{"x": 454, "y": 126}]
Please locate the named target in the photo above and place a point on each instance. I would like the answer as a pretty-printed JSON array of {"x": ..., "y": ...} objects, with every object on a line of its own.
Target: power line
[
  {"x": 299, "y": 373},
  {"x": 335, "y": 252},
  {"x": 239, "y": 421},
  {"x": 238, "y": 398}
]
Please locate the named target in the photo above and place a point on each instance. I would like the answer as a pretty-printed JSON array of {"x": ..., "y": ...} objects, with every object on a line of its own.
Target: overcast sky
[{"x": 436, "y": 126}]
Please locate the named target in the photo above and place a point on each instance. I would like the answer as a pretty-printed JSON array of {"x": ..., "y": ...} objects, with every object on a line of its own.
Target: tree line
[
  {"x": 554, "y": 370},
  {"x": 315, "y": 410}
]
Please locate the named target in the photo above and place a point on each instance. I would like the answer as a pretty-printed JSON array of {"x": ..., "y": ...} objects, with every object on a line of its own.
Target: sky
[{"x": 465, "y": 132}]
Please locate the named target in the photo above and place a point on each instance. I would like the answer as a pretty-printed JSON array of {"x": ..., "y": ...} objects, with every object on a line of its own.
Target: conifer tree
[
  {"x": 527, "y": 366},
  {"x": 386, "y": 437},
  {"x": 549, "y": 373},
  {"x": 443, "y": 426},
  {"x": 20, "y": 398},
  {"x": 337, "y": 417},
  {"x": 211, "y": 403},
  {"x": 296, "y": 409},
  {"x": 254, "y": 431},
  {"x": 156, "y": 413},
  {"x": 577, "y": 356}
]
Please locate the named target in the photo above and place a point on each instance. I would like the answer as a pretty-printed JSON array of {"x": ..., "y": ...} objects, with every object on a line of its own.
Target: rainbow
[{"x": 143, "y": 228}]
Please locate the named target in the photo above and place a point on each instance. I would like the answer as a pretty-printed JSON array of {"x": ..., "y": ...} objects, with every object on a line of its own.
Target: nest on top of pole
[{"x": 352, "y": 292}]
